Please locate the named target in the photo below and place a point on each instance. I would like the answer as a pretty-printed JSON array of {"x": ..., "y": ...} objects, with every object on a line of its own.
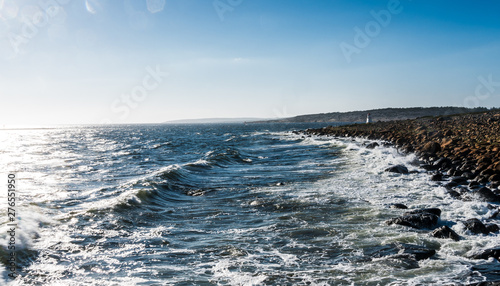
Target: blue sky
[{"x": 148, "y": 61}]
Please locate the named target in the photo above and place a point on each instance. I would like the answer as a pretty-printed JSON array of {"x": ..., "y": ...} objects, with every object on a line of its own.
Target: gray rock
[
  {"x": 372, "y": 145},
  {"x": 418, "y": 221},
  {"x": 400, "y": 169},
  {"x": 398, "y": 206},
  {"x": 487, "y": 253},
  {"x": 445, "y": 232},
  {"x": 476, "y": 226},
  {"x": 491, "y": 227},
  {"x": 403, "y": 250},
  {"x": 486, "y": 195},
  {"x": 437, "y": 177},
  {"x": 434, "y": 211}
]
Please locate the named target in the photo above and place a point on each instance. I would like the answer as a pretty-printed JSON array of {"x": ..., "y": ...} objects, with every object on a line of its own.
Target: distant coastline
[
  {"x": 377, "y": 115},
  {"x": 385, "y": 114},
  {"x": 214, "y": 120}
]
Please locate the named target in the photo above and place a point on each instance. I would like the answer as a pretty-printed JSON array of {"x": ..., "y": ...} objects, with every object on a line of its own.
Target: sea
[{"x": 220, "y": 204}]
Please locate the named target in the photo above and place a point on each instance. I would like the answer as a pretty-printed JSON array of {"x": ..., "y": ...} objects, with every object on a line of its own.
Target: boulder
[
  {"x": 491, "y": 227},
  {"x": 486, "y": 195},
  {"x": 398, "y": 206},
  {"x": 455, "y": 172},
  {"x": 437, "y": 177},
  {"x": 454, "y": 194},
  {"x": 474, "y": 185},
  {"x": 496, "y": 166},
  {"x": 428, "y": 167},
  {"x": 445, "y": 232},
  {"x": 431, "y": 147},
  {"x": 450, "y": 185},
  {"x": 442, "y": 163},
  {"x": 434, "y": 211},
  {"x": 468, "y": 175},
  {"x": 494, "y": 178},
  {"x": 447, "y": 143},
  {"x": 460, "y": 180},
  {"x": 400, "y": 169},
  {"x": 372, "y": 145},
  {"x": 418, "y": 221},
  {"x": 475, "y": 226},
  {"x": 403, "y": 250},
  {"x": 488, "y": 271},
  {"x": 487, "y": 173},
  {"x": 486, "y": 254}
]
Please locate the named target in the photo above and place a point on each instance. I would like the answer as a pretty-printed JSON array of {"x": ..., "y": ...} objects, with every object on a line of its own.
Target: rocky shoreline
[{"x": 462, "y": 152}]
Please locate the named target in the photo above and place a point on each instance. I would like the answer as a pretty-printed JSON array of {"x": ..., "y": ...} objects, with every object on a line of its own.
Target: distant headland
[{"x": 385, "y": 114}]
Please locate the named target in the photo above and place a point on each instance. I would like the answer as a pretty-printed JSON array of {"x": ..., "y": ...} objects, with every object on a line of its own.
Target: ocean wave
[
  {"x": 227, "y": 156},
  {"x": 171, "y": 184}
]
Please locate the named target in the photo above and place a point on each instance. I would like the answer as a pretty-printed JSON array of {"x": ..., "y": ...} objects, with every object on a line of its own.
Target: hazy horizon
[{"x": 103, "y": 61}]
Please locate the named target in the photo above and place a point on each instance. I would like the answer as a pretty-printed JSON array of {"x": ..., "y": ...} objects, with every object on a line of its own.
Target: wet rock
[
  {"x": 491, "y": 227},
  {"x": 445, "y": 232},
  {"x": 456, "y": 173},
  {"x": 486, "y": 254},
  {"x": 401, "y": 141},
  {"x": 434, "y": 211},
  {"x": 450, "y": 185},
  {"x": 494, "y": 178},
  {"x": 468, "y": 175},
  {"x": 419, "y": 221},
  {"x": 429, "y": 167},
  {"x": 454, "y": 194},
  {"x": 442, "y": 163},
  {"x": 403, "y": 250},
  {"x": 495, "y": 214},
  {"x": 474, "y": 185},
  {"x": 486, "y": 195},
  {"x": 372, "y": 145},
  {"x": 398, "y": 206},
  {"x": 487, "y": 173},
  {"x": 451, "y": 172},
  {"x": 437, "y": 177},
  {"x": 485, "y": 271},
  {"x": 481, "y": 179},
  {"x": 475, "y": 226},
  {"x": 400, "y": 169},
  {"x": 459, "y": 180}
]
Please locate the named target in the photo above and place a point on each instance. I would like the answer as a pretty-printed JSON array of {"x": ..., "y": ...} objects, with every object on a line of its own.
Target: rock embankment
[{"x": 465, "y": 146}]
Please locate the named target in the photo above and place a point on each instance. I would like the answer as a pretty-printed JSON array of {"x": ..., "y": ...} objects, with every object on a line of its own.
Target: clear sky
[{"x": 148, "y": 61}]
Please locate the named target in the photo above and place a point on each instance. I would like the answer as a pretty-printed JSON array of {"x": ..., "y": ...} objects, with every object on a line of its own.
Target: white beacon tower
[{"x": 368, "y": 118}]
